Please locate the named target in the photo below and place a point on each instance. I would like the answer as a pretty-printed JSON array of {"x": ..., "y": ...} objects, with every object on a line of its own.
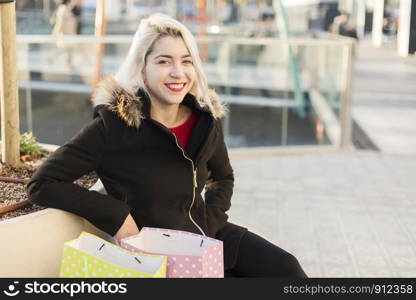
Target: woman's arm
[
  {"x": 220, "y": 187},
  {"x": 52, "y": 184}
]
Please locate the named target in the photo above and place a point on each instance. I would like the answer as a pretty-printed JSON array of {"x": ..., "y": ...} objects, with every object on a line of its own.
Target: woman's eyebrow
[{"x": 170, "y": 56}]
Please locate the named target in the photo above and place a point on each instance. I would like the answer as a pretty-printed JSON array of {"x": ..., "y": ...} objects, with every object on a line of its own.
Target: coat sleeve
[
  {"x": 219, "y": 188},
  {"x": 52, "y": 184}
]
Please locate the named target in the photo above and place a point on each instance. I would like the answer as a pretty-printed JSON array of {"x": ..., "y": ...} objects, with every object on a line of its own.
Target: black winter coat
[{"x": 145, "y": 172}]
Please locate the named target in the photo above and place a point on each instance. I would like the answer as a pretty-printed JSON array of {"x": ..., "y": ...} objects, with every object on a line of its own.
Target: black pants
[{"x": 258, "y": 257}]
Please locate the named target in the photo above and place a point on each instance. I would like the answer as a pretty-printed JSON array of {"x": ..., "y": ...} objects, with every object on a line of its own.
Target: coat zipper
[{"x": 195, "y": 184}]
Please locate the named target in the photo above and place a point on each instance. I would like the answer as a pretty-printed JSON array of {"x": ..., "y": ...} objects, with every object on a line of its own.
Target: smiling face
[{"x": 169, "y": 73}]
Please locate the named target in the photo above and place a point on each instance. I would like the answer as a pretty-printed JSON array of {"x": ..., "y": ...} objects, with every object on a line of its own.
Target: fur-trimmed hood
[
  {"x": 128, "y": 106},
  {"x": 133, "y": 107}
]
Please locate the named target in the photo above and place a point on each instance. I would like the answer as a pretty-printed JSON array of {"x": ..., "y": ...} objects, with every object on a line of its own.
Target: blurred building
[
  {"x": 378, "y": 18},
  {"x": 390, "y": 22}
]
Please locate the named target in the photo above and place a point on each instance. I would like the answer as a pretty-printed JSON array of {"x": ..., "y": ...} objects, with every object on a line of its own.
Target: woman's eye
[
  {"x": 187, "y": 62},
  {"x": 162, "y": 62}
]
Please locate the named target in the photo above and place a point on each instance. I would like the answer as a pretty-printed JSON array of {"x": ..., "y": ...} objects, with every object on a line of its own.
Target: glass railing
[
  {"x": 38, "y": 22},
  {"x": 251, "y": 75}
]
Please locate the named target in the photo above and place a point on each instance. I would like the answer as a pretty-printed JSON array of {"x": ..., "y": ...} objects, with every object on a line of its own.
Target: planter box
[{"x": 32, "y": 244}]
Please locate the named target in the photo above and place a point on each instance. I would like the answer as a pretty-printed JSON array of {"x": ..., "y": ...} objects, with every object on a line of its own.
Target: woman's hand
[{"x": 128, "y": 228}]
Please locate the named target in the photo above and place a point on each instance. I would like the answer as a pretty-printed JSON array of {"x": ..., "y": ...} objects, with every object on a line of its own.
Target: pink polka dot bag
[{"x": 189, "y": 255}]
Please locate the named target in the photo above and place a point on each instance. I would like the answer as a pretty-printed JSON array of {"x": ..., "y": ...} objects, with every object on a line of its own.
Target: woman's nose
[{"x": 177, "y": 70}]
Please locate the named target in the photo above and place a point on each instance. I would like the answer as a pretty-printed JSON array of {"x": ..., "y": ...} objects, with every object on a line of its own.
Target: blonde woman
[{"x": 156, "y": 141}]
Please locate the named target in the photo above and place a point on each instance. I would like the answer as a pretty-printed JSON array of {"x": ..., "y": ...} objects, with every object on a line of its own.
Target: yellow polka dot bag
[
  {"x": 189, "y": 255},
  {"x": 89, "y": 256}
]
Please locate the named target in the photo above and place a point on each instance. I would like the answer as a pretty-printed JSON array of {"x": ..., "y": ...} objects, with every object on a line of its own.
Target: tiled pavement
[
  {"x": 348, "y": 214},
  {"x": 345, "y": 214}
]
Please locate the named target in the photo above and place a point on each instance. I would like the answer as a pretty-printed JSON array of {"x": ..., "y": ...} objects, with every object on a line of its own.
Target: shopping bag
[
  {"x": 189, "y": 255},
  {"x": 89, "y": 256}
]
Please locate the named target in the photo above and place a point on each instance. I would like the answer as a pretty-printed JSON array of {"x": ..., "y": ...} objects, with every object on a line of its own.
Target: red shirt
[{"x": 183, "y": 132}]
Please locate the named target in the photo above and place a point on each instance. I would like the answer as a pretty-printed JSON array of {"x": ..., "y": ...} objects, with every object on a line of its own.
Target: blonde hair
[{"x": 129, "y": 75}]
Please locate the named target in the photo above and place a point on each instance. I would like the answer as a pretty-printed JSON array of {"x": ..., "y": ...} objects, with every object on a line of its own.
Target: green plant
[{"x": 29, "y": 145}]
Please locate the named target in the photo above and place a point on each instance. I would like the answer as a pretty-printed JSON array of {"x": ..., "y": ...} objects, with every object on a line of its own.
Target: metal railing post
[
  {"x": 346, "y": 98},
  {"x": 100, "y": 31},
  {"x": 25, "y": 75}
]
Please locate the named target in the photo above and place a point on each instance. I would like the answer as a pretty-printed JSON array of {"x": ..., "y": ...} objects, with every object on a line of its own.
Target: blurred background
[
  {"x": 322, "y": 100},
  {"x": 282, "y": 66}
]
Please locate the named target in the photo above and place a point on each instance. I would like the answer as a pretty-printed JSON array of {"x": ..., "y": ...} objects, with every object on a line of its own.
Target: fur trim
[
  {"x": 218, "y": 108},
  {"x": 127, "y": 106}
]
